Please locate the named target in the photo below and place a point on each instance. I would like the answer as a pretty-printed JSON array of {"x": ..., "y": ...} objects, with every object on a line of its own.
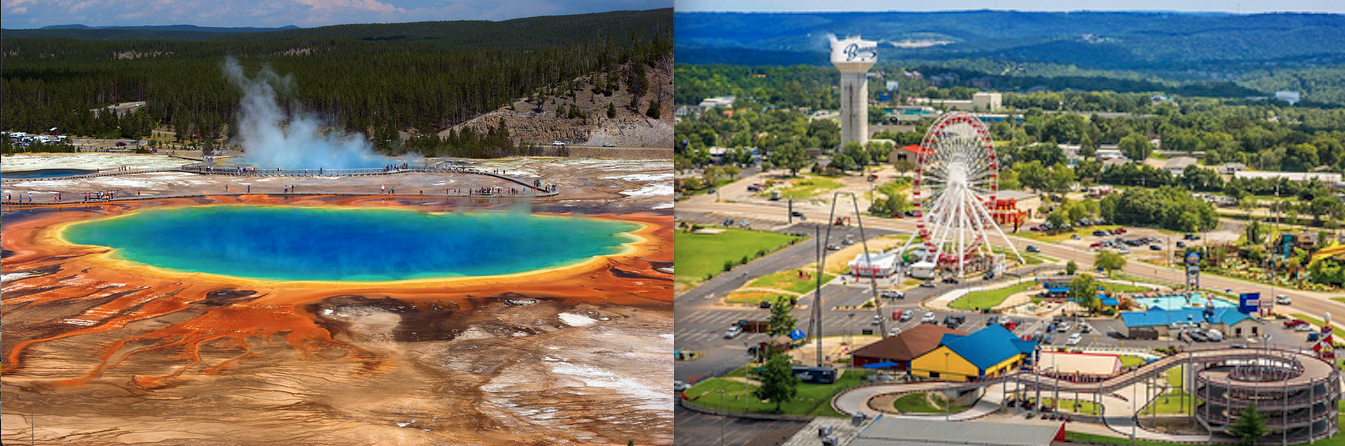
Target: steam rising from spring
[{"x": 272, "y": 138}]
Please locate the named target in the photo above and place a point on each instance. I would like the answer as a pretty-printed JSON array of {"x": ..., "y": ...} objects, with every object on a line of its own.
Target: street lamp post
[{"x": 726, "y": 418}]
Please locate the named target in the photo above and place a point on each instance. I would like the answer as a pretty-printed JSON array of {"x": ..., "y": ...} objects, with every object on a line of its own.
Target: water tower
[{"x": 854, "y": 57}]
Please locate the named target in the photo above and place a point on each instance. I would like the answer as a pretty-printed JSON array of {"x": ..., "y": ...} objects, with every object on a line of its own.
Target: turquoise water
[
  {"x": 288, "y": 243},
  {"x": 1179, "y": 301}
]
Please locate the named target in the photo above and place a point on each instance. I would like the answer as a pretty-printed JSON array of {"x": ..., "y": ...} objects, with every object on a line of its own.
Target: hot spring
[{"x": 340, "y": 244}]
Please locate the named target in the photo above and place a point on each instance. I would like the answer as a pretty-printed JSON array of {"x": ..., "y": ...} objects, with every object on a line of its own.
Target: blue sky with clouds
[
  {"x": 1234, "y": 6},
  {"x": 303, "y": 13}
]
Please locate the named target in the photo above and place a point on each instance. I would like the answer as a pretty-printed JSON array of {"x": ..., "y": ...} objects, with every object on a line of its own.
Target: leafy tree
[
  {"x": 903, "y": 166},
  {"x": 1250, "y": 425},
  {"x": 791, "y": 157},
  {"x": 1083, "y": 289},
  {"x": 778, "y": 382},
  {"x": 1109, "y": 261},
  {"x": 781, "y": 321},
  {"x": 1136, "y": 147},
  {"x": 1071, "y": 268}
]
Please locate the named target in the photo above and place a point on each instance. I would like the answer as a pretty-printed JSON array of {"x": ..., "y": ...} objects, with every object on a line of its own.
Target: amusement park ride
[{"x": 955, "y": 187}]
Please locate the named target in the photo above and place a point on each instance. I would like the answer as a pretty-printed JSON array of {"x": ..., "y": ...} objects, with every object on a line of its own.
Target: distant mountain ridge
[
  {"x": 208, "y": 29},
  {"x": 1160, "y": 41},
  {"x": 523, "y": 32}
]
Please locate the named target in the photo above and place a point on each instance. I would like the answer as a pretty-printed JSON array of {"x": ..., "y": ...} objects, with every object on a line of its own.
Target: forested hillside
[
  {"x": 1225, "y": 55},
  {"x": 418, "y": 84}
]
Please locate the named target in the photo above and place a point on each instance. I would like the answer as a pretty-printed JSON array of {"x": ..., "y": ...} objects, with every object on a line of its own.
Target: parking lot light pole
[{"x": 726, "y": 418}]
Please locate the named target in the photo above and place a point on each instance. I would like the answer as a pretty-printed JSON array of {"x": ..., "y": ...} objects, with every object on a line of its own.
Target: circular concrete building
[{"x": 1297, "y": 395}]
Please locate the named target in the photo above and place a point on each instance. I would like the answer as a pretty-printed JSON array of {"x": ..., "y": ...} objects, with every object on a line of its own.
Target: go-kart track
[{"x": 1294, "y": 389}]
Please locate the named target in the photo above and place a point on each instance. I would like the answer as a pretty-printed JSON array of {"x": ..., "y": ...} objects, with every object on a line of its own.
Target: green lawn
[
  {"x": 919, "y": 403},
  {"x": 790, "y": 281},
  {"x": 1085, "y": 407},
  {"x": 1084, "y": 232},
  {"x": 719, "y": 182},
  {"x": 1130, "y": 360},
  {"x": 1103, "y": 439},
  {"x": 1339, "y": 299},
  {"x": 808, "y": 186},
  {"x": 989, "y": 298},
  {"x": 1123, "y": 288},
  {"x": 1176, "y": 398},
  {"x": 702, "y": 255},
  {"x": 812, "y": 399},
  {"x": 753, "y": 297}
]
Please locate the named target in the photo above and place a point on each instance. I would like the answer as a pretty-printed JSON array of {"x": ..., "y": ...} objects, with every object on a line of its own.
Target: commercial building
[
  {"x": 979, "y": 102},
  {"x": 1177, "y": 166},
  {"x": 875, "y": 265},
  {"x": 903, "y": 348},
  {"x": 1165, "y": 322},
  {"x": 1328, "y": 179},
  {"x": 990, "y": 352}
]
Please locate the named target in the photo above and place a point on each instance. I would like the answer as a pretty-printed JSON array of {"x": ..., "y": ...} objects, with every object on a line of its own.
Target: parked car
[
  {"x": 733, "y": 332},
  {"x": 875, "y": 320},
  {"x": 1074, "y": 339},
  {"x": 1198, "y": 336},
  {"x": 1100, "y": 233},
  {"x": 1085, "y": 328},
  {"x": 796, "y": 213},
  {"x": 1215, "y": 336},
  {"x": 1294, "y": 323},
  {"x": 897, "y": 314},
  {"x": 1064, "y": 327},
  {"x": 928, "y": 284},
  {"x": 1304, "y": 327},
  {"x": 906, "y": 316},
  {"x": 765, "y": 304},
  {"x": 679, "y": 386},
  {"x": 992, "y": 321},
  {"x": 894, "y": 331},
  {"x": 894, "y": 294},
  {"x": 608, "y": 144},
  {"x": 1155, "y": 248},
  {"x": 1120, "y": 230},
  {"x": 1097, "y": 245},
  {"x": 1033, "y": 248},
  {"x": 1181, "y": 244},
  {"x": 1283, "y": 300},
  {"x": 834, "y": 247},
  {"x": 929, "y": 318}
]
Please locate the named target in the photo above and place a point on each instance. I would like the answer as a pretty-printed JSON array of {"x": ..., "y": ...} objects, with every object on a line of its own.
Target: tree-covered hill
[{"x": 425, "y": 85}]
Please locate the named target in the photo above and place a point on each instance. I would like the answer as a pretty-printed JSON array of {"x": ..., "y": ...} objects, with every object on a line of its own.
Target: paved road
[{"x": 698, "y": 429}]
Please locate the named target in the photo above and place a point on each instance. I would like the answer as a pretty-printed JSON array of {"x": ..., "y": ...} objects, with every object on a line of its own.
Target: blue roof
[
  {"x": 988, "y": 346},
  {"x": 1109, "y": 301},
  {"x": 1156, "y": 316},
  {"x": 1058, "y": 290}
]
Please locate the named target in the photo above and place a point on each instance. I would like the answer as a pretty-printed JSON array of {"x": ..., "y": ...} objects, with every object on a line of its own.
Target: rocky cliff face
[{"x": 529, "y": 123}]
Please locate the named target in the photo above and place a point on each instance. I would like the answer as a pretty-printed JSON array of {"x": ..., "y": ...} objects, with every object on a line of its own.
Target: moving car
[
  {"x": 894, "y": 331},
  {"x": 898, "y": 314},
  {"x": 765, "y": 304},
  {"x": 733, "y": 332},
  {"x": 1033, "y": 248},
  {"x": 894, "y": 294},
  {"x": 796, "y": 213},
  {"x": 557, "y": 143},
  {"x": 929, "y": 318},
  {"x": 834, "y": 247},
  {"x": 906, "y": 316},
  {"x": 875, "y": 320},
  {"x": 608, "y": 144},
  {"x": 928, "y": 284},
  {"x": 1283, "y": 300},
  {"x": 679, "y": 386}
]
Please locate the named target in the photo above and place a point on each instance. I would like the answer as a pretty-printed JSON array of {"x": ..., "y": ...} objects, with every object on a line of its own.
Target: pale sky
[
  {"x": 1234, "y": 6},
  {"x": 303, "y": 13}
]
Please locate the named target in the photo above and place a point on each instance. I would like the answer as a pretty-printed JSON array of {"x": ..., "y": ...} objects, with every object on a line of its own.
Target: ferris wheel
[{"x": 956, "y": 180}]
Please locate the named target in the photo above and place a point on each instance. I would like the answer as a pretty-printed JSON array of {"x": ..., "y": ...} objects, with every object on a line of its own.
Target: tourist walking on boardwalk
[{"x": 382, "y": 189}]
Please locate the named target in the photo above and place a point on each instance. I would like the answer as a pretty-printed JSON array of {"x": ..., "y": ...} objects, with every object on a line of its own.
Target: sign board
[
  {"x": 1193, "y": 258},
  {"x": 1249, "y": 303},
  {"x": 892, "y": 85},
  {"x": 854, "y": 50},
  {"x": 885, "y": 96}
]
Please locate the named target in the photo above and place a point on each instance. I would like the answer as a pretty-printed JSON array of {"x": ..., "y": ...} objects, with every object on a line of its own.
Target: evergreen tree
[
  {"x": 778, "y": 382},
  {"x": 1250, "y": 425}
]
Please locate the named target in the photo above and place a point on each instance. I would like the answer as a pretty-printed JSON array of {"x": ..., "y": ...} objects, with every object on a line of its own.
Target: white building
[
  {"x": 853, "y": 57},
  {"x": 876, "y": 265},
  {"x": 987, "y": 102},
  {"x": 720, "y": 101},
  {"x": 1177, "y": 166},
  {"x": 1328, "y": 179}
]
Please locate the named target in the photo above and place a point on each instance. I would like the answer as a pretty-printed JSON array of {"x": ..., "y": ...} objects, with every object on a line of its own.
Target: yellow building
[{"x": 985, "y": 354}]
